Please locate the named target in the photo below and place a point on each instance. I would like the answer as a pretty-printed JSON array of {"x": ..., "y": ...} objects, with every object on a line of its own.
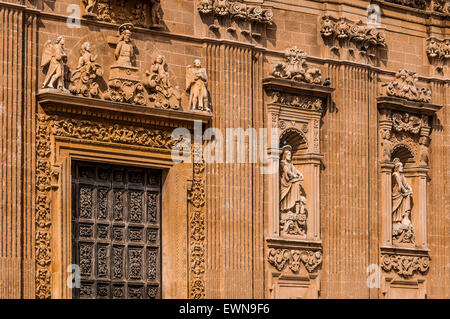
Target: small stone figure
[
  {"x": 163, "y": 94},
  {"x": 125, "y": 50},
  {"x": 386, "y": 144},
  {"x": 55, "y": 58},
  {"x": 423, "y": 141},
  {"x": 403, "y": 231},
  {"x": 86, "y": 72},
  {"x": 196, "y": 80}
]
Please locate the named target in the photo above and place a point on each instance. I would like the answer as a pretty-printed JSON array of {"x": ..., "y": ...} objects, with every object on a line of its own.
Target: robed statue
[
  {"x": 403, "y": 231},
  {"x": 54, "y": 56},
  {"x": 196, "y": 80}
]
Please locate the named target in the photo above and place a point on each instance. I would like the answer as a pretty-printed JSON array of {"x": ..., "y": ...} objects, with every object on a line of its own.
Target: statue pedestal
[{"x": 124, "y": 85}]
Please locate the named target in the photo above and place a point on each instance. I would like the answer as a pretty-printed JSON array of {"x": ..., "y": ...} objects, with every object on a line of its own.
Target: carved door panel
[{"x": 116, "y": 231}]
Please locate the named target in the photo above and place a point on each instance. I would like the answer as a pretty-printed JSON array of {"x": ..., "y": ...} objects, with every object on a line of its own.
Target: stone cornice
[
  {"x": 57, "y": 102},
  {"x": 396, "y": 103}
]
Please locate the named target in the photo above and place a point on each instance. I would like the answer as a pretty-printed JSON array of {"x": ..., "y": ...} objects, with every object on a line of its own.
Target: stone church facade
[{"x": 102, "y": 198}]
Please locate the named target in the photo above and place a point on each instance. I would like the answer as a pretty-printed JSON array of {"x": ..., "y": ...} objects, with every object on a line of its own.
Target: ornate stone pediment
[{"x": 404, "y": 86}]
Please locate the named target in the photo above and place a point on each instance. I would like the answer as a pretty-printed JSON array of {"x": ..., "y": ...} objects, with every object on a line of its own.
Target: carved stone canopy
[{"x": 304, "y": 96}]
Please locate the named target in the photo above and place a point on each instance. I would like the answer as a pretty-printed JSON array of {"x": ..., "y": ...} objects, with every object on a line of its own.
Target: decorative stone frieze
[
  {"x": 293, "y": 259},
  {"x": 404, "y": 265},
  {"x": 145, "y": 14},
  {"x": 295, "y": 68},
  {"x": 238, "y": 10},
  {"x": 340, "y": 34}
]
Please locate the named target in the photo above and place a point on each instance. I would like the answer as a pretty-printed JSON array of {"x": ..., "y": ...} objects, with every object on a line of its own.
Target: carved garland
[
  {"x": 293, "y": 258},
  {"x": 196, "y": 198},
  {"x": 86, "y": 130},
  {"x": 405, "y": 266},
  {"x": 42, "y": 218}
]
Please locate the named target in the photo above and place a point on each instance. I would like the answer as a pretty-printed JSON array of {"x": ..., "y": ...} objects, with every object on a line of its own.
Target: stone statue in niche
[
  {"x": 55, "y": 58},
  {"x": 292, "y": 200},
  {"x": 402, "y": 228},
  {"x": 83, "y": 78},
  {"x": 163, "y": 94},
  {"x": 196, "y": 80}
]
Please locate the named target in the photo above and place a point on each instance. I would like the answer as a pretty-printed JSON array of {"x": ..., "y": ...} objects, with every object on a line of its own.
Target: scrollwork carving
[
  {"x": 295, "y": 68},
  {"x": 405, "y": 266},
  {"x": 293, "y": 258},
  {"x": 299, "y": 101}
]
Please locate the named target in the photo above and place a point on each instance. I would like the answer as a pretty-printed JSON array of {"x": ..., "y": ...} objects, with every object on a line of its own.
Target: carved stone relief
[
  {"x": 298, "y": 101},
  {"x": 196, "y": 86},
  {"x": 295, "y": 68},
  {"x": 343, "y": 34},
  {"x": 405, "y": 266},
  {"x": 197, "y": 228},
  {"x": 147, "y": 14},
  {"x": 54, "y": 62},
  {"x": 236, "y": 16},
  {"x": 294, "y": 258},
  {"x": 404, "y": 86},
  {"x": 438, "y": 52}
]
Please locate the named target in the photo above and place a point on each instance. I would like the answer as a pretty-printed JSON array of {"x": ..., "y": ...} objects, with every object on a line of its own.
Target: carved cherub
[
  {"x": 327, "y": 29},
  {"x": 55, "y": 58},
  {"x": 432, "y": 48}
]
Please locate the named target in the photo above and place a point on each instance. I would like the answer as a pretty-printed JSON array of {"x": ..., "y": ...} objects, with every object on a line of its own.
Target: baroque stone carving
[
  {"x": 293, "y": 212},
  {"x": 54, "y": 61},
  {"x": 343, "y": 33},
  {"x": 236, "y": 10},
  {"x": 405, "y": 266},
  {"x": 300, "y": 101},
  {"x": 295, "y": 68},
  {"x": 162, "y": 93},
  {"x": 404, "y": 86},
  {"x": 145, "y": 14},
  {"x": 42, "y": 217},
  {"x": 124, "y": 84},
  {"x": 114, "y": 133},
  {"x": 402, "y": 228},
  {"x": 83, "y": 78},
  {"x": 293, "y": 258},
  {"x": 197, "y": 225},
  {"x": 196, "y": 86},
  {"x": 416, "y": 4},
  {"x": 438, "y": 52}
]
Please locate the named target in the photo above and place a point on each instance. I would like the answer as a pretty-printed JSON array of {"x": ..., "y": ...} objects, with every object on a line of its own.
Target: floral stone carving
[
  {"x": 300, "y": 101},
  {"x": 162, "y": 93},
  {"x": 294, "y": 258},
  {"x": 295, "y": 68},
  {"x": 83, "y": 78},
  {"x": 124, "y": 84},
  {"x": 404, "y": 86},
  {"x": 438, "y": 52},
  {"x": 405, "y": 266}
]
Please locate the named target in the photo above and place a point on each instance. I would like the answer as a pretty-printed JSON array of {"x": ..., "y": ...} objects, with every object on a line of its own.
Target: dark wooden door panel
[{"x": 116, "y": 231}]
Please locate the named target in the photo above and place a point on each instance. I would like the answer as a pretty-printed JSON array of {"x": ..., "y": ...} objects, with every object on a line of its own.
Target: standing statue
[
  {"x": 125, "y": 50},
  {"x": 292, "y": 202},
  {"x": 196, "y": 80},
  {"x": 55, "y": 58},
  {"x": 403, "y": 231},
  {"x": 155, "y": 12}
]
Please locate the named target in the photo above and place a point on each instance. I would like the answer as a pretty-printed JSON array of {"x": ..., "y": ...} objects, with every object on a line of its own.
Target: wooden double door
[{"x": 116, "y": 231}]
